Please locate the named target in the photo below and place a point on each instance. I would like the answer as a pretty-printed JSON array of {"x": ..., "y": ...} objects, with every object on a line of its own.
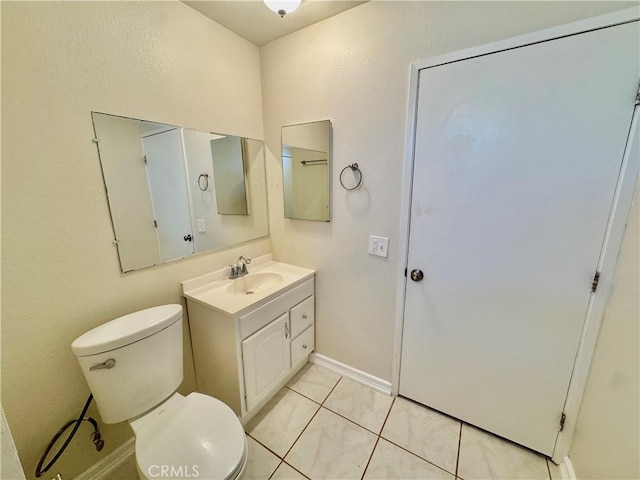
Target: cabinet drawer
[
  {"x": 302, "y": 315},
  {"x": 302, "y": 346}
]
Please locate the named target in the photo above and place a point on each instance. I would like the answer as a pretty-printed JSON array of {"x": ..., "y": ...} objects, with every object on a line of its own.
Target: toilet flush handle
[{"x": 107, "y": 364}]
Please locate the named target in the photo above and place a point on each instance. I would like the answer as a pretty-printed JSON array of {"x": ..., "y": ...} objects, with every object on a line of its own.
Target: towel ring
[
  {"x": 204, "y": 176},
  {"x": 354, "y": 168}
]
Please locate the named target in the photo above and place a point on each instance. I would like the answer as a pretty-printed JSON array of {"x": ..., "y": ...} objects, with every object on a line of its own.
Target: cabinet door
[{"x": 266, "y": 359}]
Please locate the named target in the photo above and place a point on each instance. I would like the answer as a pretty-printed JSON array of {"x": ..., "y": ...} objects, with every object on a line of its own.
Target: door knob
[
  {"x": 188, "y": 238},
  {"x": 416, "y": 275}
]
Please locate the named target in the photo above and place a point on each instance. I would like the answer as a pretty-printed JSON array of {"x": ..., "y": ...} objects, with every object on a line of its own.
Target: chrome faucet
[{"x": 240, "y": 268}]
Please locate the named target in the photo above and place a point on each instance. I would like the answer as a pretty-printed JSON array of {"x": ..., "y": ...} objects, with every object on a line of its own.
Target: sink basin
[
  {"x": 254, "y": 283},
  {"x": 266, "y": 280}
]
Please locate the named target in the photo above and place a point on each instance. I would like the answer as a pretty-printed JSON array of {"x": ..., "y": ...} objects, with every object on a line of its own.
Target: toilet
[{"x": 133, "y": 366}]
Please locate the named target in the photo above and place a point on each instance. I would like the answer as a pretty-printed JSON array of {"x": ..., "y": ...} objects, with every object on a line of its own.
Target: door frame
[{"x": 614, "y": 233}]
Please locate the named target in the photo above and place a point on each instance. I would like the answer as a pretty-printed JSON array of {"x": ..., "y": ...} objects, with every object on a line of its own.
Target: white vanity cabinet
[
  {"x": 266, "y": 360},
  {"x": 244, "y": 359}
]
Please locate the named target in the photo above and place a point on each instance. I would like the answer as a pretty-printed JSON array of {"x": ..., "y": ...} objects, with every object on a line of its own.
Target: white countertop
[{"x": 213, "y": 289}]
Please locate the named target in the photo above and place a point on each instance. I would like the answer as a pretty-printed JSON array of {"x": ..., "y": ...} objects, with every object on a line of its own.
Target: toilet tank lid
[{"x": 126, "y": 330}]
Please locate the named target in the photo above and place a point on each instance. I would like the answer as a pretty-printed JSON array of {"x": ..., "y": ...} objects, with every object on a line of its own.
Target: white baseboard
[
  {"x": 566, "y": 469},
  {"x": 110, "y": 463},
  {"x": 353, "y": 373}
]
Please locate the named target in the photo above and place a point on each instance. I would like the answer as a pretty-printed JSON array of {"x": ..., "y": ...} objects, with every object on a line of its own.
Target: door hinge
[
  {"x": 594, "y": 284},
  {"x": 563, "y": 418},
  {"x": 638, "y": 96},
  {"x": 144, "y": 158},
  {"x": 155, "y": 224},
  {"x": 96, "y": 140}
]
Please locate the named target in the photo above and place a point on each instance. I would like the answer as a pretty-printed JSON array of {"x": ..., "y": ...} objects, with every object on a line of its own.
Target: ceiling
[{"x": 252, "y": 20}]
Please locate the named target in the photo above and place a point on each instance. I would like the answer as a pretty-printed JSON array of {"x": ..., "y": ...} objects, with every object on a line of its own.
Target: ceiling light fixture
[{"x": 282, "y": 7}]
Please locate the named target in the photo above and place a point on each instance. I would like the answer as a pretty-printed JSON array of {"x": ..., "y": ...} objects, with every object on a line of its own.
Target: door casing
[{"x": 615, "y": 229}]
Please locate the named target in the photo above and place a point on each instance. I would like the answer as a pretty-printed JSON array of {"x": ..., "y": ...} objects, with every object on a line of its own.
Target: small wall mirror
[
  {"x": 174, "y": 192},
  {"x": 306, "y": 165}
]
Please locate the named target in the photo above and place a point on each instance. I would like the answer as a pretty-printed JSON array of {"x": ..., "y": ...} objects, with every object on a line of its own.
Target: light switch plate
[
  {"x": 378, "y": 246},
  {"x": 201, "y": 226}
]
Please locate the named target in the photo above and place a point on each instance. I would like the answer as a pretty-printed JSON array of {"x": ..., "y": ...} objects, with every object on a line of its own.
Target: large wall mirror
[
  {"x": 306, "y": 165},
  {"x": 174, "y": 192}
]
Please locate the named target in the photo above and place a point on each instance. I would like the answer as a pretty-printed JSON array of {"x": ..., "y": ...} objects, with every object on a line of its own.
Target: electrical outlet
[{"x": 378, "y": 246}]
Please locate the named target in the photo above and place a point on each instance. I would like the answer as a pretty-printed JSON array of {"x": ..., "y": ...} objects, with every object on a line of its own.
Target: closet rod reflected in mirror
[{"x": 306, "y": 167}]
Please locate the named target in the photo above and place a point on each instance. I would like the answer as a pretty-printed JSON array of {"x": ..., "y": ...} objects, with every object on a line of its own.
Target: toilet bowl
[
  {"x": 133, "y": 366},
  {"x": 197, "y": 436}
]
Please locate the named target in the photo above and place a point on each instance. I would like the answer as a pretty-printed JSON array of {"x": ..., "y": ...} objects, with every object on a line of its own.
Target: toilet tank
[{"x": 134, "y": 362}]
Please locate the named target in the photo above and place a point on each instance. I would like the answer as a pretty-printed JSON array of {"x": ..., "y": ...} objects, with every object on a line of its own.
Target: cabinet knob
[
  {"x": 304, "y": 346},
  {"x": 304, "y": 315}
]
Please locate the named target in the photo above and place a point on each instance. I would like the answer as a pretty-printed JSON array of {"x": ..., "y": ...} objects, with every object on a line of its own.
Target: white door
[
  {"x": 517, "y": 155},
  {"x": 266, "y": 357},
  {"x": 169, "y": 196}
]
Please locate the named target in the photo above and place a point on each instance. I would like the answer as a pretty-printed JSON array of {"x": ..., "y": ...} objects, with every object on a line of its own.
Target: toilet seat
[{"x": 196, "y": 436}]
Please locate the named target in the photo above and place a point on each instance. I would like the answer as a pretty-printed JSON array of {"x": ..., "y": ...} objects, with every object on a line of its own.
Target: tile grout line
[
  {"x": 364, "y": 472},
  {"x": 302, "y": 394},
  {"x": 334, "y": 387},
  {"x": 294, "y": 468},
  {"x": 278, "y": 457},
  {"x": 310, "y": 420},
  {"x": 459, "y": 447},
  {"x": 303, "y": 430},
  {"x": 393, "y": 402},
  {"x": 417, "y": 456},
  {"x": 395, "y": 444},
  {"x": 276, "y": 469},
  {"x": 370, "y": 457},
  {"x": 263, "y": 445},
  {"x": 413, "y": 453},
  {"x": 378, "y": 435},
  {"x": 352, "y": 421}
]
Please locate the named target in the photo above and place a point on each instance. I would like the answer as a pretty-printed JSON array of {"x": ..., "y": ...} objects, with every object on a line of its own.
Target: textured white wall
[
  {"x": 161, "y": 61},
  {"x": 354, "y": 70},
  {"x": 165, "y": 62},
  {"x": 606, "y": 440}
]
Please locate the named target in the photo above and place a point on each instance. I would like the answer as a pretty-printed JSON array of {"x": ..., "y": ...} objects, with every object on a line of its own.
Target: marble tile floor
[{"x": 325, "y": 426}]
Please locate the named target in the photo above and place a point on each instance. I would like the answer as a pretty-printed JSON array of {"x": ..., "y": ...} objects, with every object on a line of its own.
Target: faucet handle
[
  {"x": 245, "y": 259},
  {"x": 234, "y": 271}
]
